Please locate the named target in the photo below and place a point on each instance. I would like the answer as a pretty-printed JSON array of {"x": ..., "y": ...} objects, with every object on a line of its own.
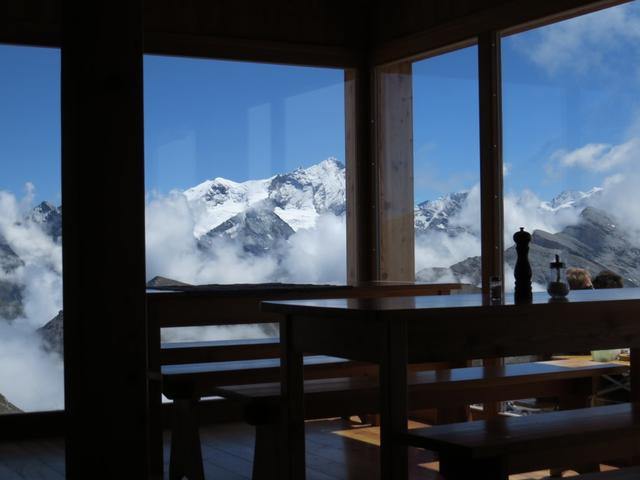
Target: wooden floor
[{"x": 336, "y": 450}]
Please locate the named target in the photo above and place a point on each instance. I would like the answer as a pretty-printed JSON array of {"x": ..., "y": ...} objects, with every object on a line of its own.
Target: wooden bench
[
  {"x": 176, "y": 353},
  {"x": 357, "y": 395},
  {"x": 498, "y": 447},
  {"x": 194, "y": 306}
]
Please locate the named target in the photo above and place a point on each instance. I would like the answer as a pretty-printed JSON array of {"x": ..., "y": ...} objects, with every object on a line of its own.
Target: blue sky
[
  {"x": 571, "y": 106},
  {"x": 30, "y": 120}
]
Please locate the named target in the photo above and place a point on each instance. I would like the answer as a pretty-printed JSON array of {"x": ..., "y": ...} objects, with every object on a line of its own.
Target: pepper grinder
[{"x": 522, "y": 271}]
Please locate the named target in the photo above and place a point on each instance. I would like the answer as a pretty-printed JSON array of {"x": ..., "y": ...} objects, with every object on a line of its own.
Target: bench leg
[
  {"x": 186, "y": 453},
  {"x": 266, "y": 456},
  {"x": 455, "y": 468},
  {"x": 580, "y": 397}
]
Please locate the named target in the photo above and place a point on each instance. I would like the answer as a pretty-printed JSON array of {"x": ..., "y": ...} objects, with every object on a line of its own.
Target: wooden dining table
[{"x": 393, "y": 332}]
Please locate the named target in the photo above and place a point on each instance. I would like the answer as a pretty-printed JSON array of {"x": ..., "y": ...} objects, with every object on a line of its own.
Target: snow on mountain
[
  {"x": 49, "y": 217},
  {"x": 435, "y": 214},
  {"x": 215, "y": 201},
  {"x": 298, "y": 197},
  {"x": 572, "y": 199},
  {"x": 440, "y": 214}
]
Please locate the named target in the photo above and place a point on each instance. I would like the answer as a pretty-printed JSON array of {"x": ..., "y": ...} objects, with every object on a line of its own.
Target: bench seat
[
  {"x": 203, "y": 351},
  {"x": 201, "y": 379},
  {"x": 505, "y": 445},
  {"x": 427, "y": 389}
]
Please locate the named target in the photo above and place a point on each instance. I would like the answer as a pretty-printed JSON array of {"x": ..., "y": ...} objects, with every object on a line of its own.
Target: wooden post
[
  {"x": 491, "y": 201},
  {"x": 393, "y": 401},
  {"x": 491, "y": 195},
  {"x": 634, "y": 374},
  {"x": 105, "y": 335},
  {"x": 394, "y": 159},
  {"x": 361, "y": 206},
  {"x": 292, "y": 387}
]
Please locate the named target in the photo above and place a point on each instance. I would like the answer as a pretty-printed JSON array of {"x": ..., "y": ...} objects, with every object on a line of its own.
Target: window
[
  {"x": 245, "y": 175},
  {"x": 245, "y": 172},
  {"x": 31, "y": 365},
  {"x": 571, "y": 116},
  {"x": 447, "y": 168}
]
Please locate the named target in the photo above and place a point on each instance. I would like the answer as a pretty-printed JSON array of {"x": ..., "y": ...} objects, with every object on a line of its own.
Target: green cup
[{"x": 605, "y": 355}]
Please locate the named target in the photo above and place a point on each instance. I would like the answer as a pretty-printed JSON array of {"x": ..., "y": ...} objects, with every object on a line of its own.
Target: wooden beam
[
  {"x": 362, "y": 245},
  {"x": 105, "y": 334},
  {"x": 491, "y": 195},
  {"x": 394, "y": 162},
  {"x": 31, "y": 22},
  {"x": 265, "y": 51},
  {"x": 510, "y": 17}
]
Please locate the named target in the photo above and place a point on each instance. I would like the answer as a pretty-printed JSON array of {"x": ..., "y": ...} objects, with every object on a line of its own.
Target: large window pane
[
  {"x": 571, "y": 100},
  {"x": 31, "y": 369},
  {"x": 447, "y": 168},
  {"x": 245, "y": 175}
]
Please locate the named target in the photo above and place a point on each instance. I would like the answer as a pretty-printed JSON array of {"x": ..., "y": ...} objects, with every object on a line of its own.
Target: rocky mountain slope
[
  {"x": 596, "y": 243},
  {"x": 49, "y": 217},
  {"x": 7, "y": 407},
  {"x": 52, "y": 334},
  {"x": 10, "y": 293}
]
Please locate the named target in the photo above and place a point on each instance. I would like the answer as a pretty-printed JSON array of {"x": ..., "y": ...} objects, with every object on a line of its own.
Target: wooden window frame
[{"x": 485, "y": 30}]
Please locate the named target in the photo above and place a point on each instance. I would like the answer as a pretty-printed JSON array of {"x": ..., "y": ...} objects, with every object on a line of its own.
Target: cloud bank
[
  {"x": 312, "y": 255},
  {"x": 30, "y": 378}
]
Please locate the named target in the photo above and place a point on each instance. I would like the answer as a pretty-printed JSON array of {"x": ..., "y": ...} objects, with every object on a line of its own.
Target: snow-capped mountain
[
  {"x": 260, "y": 214},
  {"x": 49, "y": 217},
  {"x": 222, "y": 207},
  {"x": 435, "y": 214},
  {"x": 258, "y": 230},
  {"x": 572, "y": 199},
  {"x": 441, "y": 214}
]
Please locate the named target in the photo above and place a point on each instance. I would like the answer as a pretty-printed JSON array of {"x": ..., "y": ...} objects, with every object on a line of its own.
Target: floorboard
[{"x": 336, "y": 450}]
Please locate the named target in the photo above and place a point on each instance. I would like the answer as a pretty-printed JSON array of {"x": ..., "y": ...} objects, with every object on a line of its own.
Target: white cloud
[
  {"x": 172, "y": 249},
  {"x": 42, "y": 271},
  {"x": 522, "y": 209},
  {"x": 621, "y": 196},
  {"x": 30, "y": 378},
  {"x": 439, "y": 250},
  {"x": 582, "y": 43},
  {"x": 596, "y": 157},
  {"x": 318, "y": 255}
]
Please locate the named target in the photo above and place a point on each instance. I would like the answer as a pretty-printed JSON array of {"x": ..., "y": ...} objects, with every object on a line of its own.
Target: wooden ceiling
[{"x": 320, "y": 32}]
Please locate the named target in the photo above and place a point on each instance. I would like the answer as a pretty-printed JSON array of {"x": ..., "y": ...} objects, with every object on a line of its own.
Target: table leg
[
  {"x": 292, "y": 385},
  {"x": 393, "y": 402},
  {"x": 634, "y": 374}
]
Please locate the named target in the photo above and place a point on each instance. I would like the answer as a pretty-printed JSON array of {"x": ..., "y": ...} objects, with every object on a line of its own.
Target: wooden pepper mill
[{"x": 522, "y": 272}]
